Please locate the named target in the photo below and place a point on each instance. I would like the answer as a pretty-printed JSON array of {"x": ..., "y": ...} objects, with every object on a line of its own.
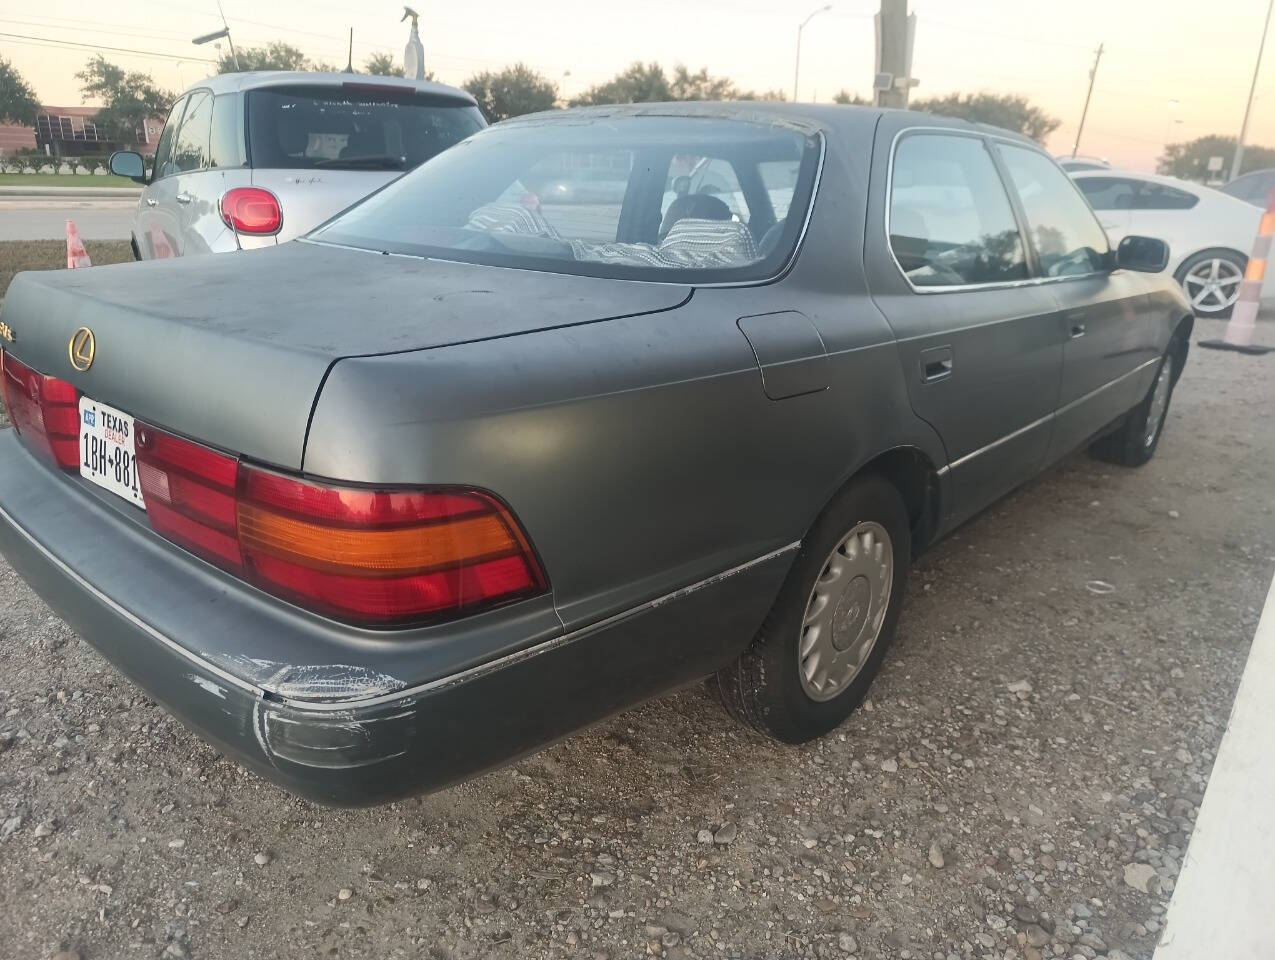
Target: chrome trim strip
[
  {"x": 1005, "y": 439},
  {"x": 961, "y": 288},
  {"x": 480, "y": 670},
  {"x": 1051, "y": 416},
  {"x": 140, "y": 624},
  {"x": 464, "y": 676},
  {"x": 779, "y": 274}
]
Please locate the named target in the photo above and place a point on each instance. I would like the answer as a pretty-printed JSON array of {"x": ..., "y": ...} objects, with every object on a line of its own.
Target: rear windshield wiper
[{"x": 375, "y": 162}]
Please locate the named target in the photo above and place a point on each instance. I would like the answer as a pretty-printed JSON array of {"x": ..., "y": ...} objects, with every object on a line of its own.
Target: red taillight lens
[
  {"x": 44, "y": 410},
  {"x": 375, "y": 557},
  {"x": 381, "y": 556},
  {"x": 251, "y": 210}
]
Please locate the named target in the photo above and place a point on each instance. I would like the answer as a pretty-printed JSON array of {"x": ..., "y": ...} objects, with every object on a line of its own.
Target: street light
[
  {"x": 796, "y": 69},
  {"x": 224, "y": 32}
]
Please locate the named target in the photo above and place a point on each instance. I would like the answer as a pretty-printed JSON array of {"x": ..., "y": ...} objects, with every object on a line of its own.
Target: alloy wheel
[{"x": 1213, "y": 285}]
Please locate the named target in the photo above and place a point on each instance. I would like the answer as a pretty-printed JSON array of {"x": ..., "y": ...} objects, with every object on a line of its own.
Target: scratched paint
[{"x": 328, "y": 681}]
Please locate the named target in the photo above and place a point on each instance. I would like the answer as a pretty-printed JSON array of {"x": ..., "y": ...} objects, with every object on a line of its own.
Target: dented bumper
[{"x": 340, "y": 715}]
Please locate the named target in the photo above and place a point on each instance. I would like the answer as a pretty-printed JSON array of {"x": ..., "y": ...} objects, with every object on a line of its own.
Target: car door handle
[
  {"x": 936, "y": 364},
  {"x": 151, "y": 201},
  {"x": 183, "y": 198},
  {"x": 1076, "y": 322}
]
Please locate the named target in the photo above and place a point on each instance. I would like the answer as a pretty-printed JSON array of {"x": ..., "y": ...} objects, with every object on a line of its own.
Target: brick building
[{"x": 71, "y": 132}]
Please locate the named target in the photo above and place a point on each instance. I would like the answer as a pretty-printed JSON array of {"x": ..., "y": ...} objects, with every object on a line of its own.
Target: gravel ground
[{"x": 1022, "y": 784}]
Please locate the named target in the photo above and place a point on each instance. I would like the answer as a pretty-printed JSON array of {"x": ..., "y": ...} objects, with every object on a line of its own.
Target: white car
[{"x": 1209, "y": 233}]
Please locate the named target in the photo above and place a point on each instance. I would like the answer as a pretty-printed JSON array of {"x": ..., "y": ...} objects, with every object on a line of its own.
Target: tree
[
  {"x": 128, "y": 99},
  {"x": 382, "y": 65},
  {"x": 17, "y": 100},
  {"x": 1006, "y": 110},
  {"x": 1190, "y": 160},
  {"x": 648, "y": 83},
  {"x": 853, "y": 99},
  {"x": 275, "y": 55},
  {"x": 511, "y": 92}
]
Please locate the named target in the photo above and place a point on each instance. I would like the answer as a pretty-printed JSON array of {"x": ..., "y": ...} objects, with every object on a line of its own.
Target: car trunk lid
[{"x": 232, "y": 349}]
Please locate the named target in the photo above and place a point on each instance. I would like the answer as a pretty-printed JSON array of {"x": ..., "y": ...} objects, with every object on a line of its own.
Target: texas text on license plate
[{"x": 106, "y": 450}]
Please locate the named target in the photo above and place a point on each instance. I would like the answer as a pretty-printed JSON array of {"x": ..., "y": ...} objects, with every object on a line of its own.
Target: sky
[{"x": 1170, "y": 71}]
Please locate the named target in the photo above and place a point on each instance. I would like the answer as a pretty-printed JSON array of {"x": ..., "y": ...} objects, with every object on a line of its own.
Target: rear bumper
[{"x": 214, "y": 653}]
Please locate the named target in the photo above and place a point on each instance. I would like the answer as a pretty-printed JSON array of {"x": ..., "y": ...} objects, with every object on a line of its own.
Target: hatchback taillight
[
  {"x": 251, "y": 210},
  {"x": 44, "y": 410},
  {"x": 368, "y": 556}
]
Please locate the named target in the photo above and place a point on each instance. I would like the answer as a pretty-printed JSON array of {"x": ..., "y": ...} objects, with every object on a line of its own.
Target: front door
[
  {"x": 1111, "y": 337},
  {"x": 157, "y": 227},
  {"x": 979, "y": 341}
]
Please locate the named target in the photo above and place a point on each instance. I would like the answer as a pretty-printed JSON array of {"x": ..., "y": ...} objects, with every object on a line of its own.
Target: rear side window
[
  {"x": 190, "y": 151},
  {"x": 951, "y": 223},
  {"x": 1159, "y": 196},
  {"x": 309, "y": 128},
  {"x": 1069, "y": 240},
  {"x": 225, "y": 147},
  {"x": 1108, "y": 193}
]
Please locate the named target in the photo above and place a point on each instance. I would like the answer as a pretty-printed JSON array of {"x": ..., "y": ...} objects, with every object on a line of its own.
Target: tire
[
  {"x": 768, "y": 687},
  {"x": 1193, "y": 273},
  {"x": 1138, "y": 437}
]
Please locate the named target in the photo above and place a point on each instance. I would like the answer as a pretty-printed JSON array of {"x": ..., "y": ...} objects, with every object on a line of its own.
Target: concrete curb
[{"x": 84, "y": 193}]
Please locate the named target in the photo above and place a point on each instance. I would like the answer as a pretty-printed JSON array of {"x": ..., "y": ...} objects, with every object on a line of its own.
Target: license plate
[{"x": 107, "y": 454}]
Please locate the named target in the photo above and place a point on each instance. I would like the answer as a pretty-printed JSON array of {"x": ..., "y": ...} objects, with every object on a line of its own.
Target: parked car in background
[
  {"x": 464, "y": 470},
  {"x": 1076, "y": 164},
  {"x": 1254, "y": 188},
  {"x": 249, "y": 160},
  {"x": 1209, "y": 233}
]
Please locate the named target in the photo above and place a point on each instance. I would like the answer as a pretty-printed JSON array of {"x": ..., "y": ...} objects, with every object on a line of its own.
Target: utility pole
[
  {"x": 895, "y": 31},
  {"x": 233, "y": 56},
  {"x": 1093, "y": 73},
  {"x": 1248, "y": 108}
]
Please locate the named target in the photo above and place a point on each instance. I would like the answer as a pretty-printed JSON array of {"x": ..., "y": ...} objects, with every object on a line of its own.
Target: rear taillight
[
  {"x": 375, "y": 557},
  {"x": 251, "y": 210},
  {"x": 44, "y": 410}
]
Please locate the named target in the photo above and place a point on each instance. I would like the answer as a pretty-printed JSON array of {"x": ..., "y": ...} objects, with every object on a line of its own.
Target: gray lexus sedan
[{"x": 595, "y": 404}]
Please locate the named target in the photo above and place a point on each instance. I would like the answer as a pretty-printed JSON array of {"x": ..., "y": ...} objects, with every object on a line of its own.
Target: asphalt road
[
  {"x": 43, "y": 218},
  {"x": 1022, "y": 783}
]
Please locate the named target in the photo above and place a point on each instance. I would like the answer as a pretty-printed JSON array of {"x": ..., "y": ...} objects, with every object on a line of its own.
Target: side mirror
[
  {"x": 126, "y": 163},
  {"x": 1144, "y": 254}
]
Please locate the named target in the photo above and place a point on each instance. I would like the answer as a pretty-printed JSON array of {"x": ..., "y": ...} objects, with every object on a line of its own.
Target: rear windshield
[
  {"x": 687, "y": 199},
  {"x": 346, "y": 128}
]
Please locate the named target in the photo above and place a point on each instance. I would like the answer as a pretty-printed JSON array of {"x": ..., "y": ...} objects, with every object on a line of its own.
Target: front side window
[
  {"x": 1069, "y": 240},
  {"x": 352, "y": 127},
  {"x": 642, "y": 197},
  {"x": 951, "y": 223},
  {"x": 1109, "y": 193},
  {"x": 190, "y": 150},
  {"x": 164, "y": 149}
]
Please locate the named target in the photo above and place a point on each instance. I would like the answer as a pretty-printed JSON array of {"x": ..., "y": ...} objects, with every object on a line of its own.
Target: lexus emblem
[{"x": 82, "y": 349}]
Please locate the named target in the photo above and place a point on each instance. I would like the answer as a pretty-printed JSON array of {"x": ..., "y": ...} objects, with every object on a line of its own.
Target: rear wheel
[
  {"x": 1135, "y": 442},
  {"x": 824, "y": 640},
  {"x": 1211, "y": 280}
]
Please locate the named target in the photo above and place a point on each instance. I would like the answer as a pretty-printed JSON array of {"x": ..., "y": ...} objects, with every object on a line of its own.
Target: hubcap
[
  {"x": 1213, "y": 285},
  {"x": 1159, "y": 400},
  {"x": 846, "y": 610}
]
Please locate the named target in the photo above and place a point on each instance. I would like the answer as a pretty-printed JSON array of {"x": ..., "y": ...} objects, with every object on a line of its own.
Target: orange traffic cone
[
  {"x": 76, "y": 255},
  {"x": 1242, "y": 327}
]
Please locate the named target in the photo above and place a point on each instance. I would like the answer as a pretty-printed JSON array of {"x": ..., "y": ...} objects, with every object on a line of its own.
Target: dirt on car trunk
[{"x": 1025, "y": 776}]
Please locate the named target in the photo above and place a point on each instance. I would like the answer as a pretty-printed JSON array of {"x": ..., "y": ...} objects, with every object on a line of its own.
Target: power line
[{"x": 49, "y": 41}]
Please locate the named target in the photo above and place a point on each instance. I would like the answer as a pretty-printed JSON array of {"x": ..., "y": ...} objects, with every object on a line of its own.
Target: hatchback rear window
[
  {"x": 352, "y": 128},
  {"x": 685, "y": 199}
]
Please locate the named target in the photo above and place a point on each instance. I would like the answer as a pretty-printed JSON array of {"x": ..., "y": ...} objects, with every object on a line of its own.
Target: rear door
[
  {"x": 157, "y": 227},
  {"x": 1105, "y": 315},
  {"x": 978, "y": 338}
]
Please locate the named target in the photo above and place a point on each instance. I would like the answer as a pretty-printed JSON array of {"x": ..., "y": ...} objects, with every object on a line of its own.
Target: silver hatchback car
[{"x": 249, "y": 160}]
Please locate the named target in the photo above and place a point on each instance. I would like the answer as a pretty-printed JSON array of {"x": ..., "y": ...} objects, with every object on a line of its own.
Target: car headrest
[{"x": 709, "y": 243}]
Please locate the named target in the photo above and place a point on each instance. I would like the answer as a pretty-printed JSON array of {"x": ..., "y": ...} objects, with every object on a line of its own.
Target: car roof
[
  {"x": 261, "y": 79},
  {"x": 801, "y": 116}
]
